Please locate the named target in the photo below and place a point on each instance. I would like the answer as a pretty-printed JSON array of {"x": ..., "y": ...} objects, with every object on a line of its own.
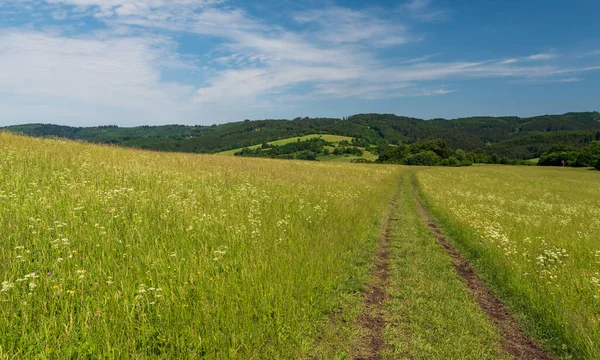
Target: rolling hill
[{"x": 513, "y": 137}]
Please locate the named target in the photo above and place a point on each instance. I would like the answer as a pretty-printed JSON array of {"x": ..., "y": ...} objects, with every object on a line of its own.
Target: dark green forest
[
  {"x": 507, "y": 138},
  {"x": 564, "y": 155},
  {"x": 426, "y": 153}
]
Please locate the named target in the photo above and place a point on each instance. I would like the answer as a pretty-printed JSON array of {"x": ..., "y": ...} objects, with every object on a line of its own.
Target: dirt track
[
  {"x": 372, "y": 320},
  {"x": 514, "y": 341}
]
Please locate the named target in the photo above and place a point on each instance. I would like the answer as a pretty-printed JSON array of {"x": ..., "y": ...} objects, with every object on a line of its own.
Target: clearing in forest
[{"x": 327, "y": 137}]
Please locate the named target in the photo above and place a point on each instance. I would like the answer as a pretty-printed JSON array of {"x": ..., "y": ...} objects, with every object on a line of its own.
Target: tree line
[
  {"x": 508, "y": 137},
  {"x": 564, "y": 155}
]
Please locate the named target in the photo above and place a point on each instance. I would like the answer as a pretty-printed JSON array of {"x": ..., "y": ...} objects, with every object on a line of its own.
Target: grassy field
[
  {"x": 533, "y": 234},
  {"x": 430, "y": 313},
  {"x": 119, "y": 253},
  {"x": 348, "y": 158},
  {"x": 326, "y": 137},
  {"x": 115, "y": 253}
]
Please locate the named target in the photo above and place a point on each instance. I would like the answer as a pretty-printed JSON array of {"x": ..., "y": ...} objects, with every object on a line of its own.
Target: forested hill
[{"x": 512, "y": 137}]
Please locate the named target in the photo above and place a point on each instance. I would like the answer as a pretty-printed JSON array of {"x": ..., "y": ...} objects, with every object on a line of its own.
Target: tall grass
[
  {"x": 534, "y": 234},
  {"x": 122, "y": 253}
]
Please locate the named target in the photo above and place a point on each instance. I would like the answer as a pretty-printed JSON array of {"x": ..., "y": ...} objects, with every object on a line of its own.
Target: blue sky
[{"x": 135, "y": 62}]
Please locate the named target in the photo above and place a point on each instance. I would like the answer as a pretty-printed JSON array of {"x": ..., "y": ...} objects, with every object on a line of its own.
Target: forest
[
  {"x": 505, "y": 137},
  {"x": 563, "y": 155}
]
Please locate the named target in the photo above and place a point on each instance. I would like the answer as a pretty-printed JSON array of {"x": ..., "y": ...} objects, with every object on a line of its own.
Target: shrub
[
  {"x": 556, "y": 158},
  {"x": 425, "y": 158},
  {"x": 451, "y": 161},
  {"x": 589, "y": 156}
]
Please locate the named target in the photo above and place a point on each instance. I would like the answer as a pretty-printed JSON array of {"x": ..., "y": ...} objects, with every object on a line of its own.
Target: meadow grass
[
  {"x": 533, "y": 234},
  {"x": 348, "y": 158},
  {"x": 114, "y": 253}
]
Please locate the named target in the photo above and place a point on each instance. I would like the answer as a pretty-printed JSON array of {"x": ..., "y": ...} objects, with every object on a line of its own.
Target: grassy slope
[
  {"x": 532, "y": 233},
  {"x": 264, "y": 253},
  {"x": 258, "y": 251},
  {"x": 348, "y": 158},
  {"x": 326, "y": 137}
]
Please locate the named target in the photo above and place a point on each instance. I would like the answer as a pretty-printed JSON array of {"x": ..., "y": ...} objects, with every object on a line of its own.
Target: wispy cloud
[
  {"x": 542, "y": 81},
  {"x": 49, "y": 64},
  {"x": 423, "y": 10},
  {"x": 338, "y": 25},
  {"x": 330, "y": 53},
  {"x": 419, "y": 59},
  {"x": 542, "y": 56},
  {"x": 86, "y": 72}
]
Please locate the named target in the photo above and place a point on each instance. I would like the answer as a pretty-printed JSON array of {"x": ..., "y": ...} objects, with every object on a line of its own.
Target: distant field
[
  {"x": 326, "y": 137},
  {"x": 348, "y": 158},
  {"x": 534, "y": 234}
]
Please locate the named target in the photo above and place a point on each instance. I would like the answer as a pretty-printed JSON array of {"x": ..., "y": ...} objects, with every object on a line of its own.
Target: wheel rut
[
  {"x": 514, "y": 341},
  {"x": 372, "y": 320}
]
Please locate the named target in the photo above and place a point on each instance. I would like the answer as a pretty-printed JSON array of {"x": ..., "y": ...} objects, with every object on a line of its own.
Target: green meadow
[
  {"x": 119, "y": 253},
  {"x": 534, "y": 235},
  {"x": 129, "y": 253},
  {"x": 327, "y": 137}
]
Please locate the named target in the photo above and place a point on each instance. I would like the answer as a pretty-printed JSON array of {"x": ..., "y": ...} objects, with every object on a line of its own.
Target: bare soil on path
[{"x": 372, "y": 319}]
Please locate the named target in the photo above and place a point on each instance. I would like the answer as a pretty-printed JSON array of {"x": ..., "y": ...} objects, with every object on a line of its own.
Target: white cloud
[
  {"x": 542, "y": 56},
  {"x": 112, "y": 73},
  {"x": 112, "y": 69},
  {"x": 542, "y": 81},
  {"x": 420, "y": 59},
  {"x": 347, "y": 26},
  {"x": 104, "y": 8},
  {"x": 423, "y": 10},
  {"x": 118, "y": 73}
]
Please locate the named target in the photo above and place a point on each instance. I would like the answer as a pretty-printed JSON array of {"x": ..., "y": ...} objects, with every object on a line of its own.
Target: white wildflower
[{"x": 6, "y": 286}]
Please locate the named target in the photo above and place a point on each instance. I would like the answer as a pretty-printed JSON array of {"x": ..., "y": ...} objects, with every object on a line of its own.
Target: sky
[{"x": 203, "y": 62}]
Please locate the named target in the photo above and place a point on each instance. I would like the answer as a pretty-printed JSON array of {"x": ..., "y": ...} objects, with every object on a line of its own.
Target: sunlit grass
[
  {"x": 327, "y": 137},
  {"x": 434, "y": 315},
  {"x": 109, "y": 252},
  {"x": 535, "y": 235},
  {"x": 367, "y": 155}
]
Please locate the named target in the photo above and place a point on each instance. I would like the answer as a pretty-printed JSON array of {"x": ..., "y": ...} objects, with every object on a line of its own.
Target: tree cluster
[
  {"x": 563, "y": 155},
  {"x": 426, "y": 153}
]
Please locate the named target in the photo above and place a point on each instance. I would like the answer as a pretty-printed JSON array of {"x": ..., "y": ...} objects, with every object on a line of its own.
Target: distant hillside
[
  {"x": 329, "y": 138},
  {"x": 512, "y": 137}
]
